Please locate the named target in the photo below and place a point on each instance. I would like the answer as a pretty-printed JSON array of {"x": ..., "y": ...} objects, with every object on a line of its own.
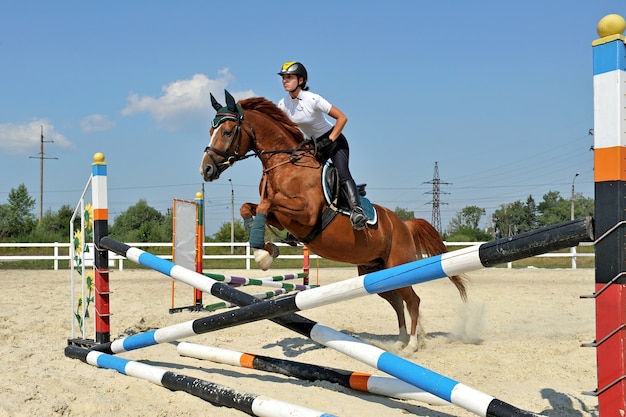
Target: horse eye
[{"x": 228, "y": 132}]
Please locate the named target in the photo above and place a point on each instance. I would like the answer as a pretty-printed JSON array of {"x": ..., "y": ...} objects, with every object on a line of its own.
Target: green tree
[
  {"x": 529, "y": 219},
  {"x": 404, "y": 214},
  {"x": 55, "y": 226},
  {"x": 554, "y": 209},
  {"x": 583, "y": 206},
  {"x": 464, "y": 226},
  {"x": 16, "y": 217},
  {"x": 468, "y": 217},
  {"x": 141, "y": 223},
  {"x": 509, "y": 218},
  {"x": 516, "y": 217},
  {"x": 223, "y": 234}
]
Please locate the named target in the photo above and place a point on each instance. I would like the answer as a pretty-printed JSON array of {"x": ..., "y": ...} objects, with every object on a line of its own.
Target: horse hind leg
[
  {"x": 397, "y": 303},
  {"x": 412, "y": 300},
  {"x": 394, "y": 298}
]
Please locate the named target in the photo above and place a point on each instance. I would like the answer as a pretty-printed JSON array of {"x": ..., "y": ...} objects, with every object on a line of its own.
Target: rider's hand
[{"x": 325, "y": 148}]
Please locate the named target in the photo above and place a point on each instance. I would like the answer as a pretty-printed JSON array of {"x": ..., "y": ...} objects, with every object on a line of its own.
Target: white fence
[{"x": 56, "y": 257}]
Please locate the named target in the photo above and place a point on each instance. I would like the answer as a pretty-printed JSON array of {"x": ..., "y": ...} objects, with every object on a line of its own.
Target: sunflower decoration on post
[{"x": 80, "y": 249}]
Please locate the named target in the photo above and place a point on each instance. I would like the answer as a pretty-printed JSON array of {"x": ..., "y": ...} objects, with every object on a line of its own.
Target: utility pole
[
  {"x": 41, "y": 157},
  {"x": 436, "y": 202}
]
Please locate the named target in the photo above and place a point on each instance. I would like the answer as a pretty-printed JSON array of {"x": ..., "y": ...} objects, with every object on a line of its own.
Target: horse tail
[{"x": 428, "y": 241}]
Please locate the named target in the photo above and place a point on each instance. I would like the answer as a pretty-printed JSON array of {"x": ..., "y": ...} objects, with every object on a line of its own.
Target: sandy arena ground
[{"x": 517, "y": 339}]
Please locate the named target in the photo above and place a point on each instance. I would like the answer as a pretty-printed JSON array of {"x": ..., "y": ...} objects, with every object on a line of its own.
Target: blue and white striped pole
[
  {"x": 559, "y": 236},
  {"x": 443, "y": 387},
  {"x": 216, "y": 394}
]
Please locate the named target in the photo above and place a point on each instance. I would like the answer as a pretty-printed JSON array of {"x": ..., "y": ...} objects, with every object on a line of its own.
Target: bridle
[
  {"x": 235, "y": 140},
  {"x": 230, "y": 159}
]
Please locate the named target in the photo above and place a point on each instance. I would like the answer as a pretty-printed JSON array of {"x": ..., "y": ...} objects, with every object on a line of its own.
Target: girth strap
[{"x": 327, "y": 216}]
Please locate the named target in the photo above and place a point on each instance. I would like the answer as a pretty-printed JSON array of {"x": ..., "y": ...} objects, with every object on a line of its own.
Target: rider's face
[{"x": 290, "y": 82}]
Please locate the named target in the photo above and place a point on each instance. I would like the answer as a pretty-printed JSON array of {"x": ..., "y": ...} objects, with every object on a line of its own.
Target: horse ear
[
  {"x": 231, "y": 104},
  {"x": 217, "y": 106}
]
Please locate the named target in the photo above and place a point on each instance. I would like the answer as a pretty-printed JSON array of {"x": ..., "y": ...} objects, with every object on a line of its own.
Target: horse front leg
[
  {"x": 247, "y": 212},
  {"x": 255, "y": 220}
]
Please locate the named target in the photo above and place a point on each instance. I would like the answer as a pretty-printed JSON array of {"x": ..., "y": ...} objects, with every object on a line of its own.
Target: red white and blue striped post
[
  {"x": 609, "y": 85},
  {"x": 358, "y": 381},
  {"x": 101, "y": 256},
  {"x": 216, "y": 394}
]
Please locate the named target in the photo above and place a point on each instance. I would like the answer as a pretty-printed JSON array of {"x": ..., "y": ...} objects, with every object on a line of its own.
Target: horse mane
[{"x": 270, "y": 109}]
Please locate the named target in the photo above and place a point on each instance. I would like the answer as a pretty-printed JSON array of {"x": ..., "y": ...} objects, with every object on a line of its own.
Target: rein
[{"x": 297, "y": 154}]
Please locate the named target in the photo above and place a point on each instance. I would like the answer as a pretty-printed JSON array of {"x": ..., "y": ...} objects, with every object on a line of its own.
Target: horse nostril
[
  {"x": 210, "y": 173},
  {"x": 206, "y": 172}
]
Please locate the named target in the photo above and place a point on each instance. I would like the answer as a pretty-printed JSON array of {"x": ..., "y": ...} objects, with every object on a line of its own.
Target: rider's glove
[{"x": 325, "y": 148}]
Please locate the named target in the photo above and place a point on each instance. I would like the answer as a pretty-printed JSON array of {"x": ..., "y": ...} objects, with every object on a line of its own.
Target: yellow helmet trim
[{"x": 286, "y": 65}]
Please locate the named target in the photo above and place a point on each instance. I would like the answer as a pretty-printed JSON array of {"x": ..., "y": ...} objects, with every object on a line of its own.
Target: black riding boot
[{"x": 357, "y": 215}]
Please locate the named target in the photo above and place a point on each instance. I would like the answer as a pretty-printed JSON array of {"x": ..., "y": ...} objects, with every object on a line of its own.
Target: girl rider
[{"x": 308, "y": 111}]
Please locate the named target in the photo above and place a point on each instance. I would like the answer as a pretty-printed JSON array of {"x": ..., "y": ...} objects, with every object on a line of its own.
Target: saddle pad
[{"x": 341, "y": 206}]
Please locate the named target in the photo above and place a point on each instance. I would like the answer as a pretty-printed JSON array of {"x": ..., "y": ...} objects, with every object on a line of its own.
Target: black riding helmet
[{"x": 295, "y": 68}]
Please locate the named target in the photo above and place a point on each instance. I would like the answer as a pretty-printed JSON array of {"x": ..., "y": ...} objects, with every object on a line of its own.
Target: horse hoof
[
  {"x": 415, "y": 344},
  {"x": 263, "y": 259},
  {"x": 272, "y": 249}
]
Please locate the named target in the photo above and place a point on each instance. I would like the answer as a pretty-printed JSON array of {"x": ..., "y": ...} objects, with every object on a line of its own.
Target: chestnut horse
[{"x": 292, "y": 199}]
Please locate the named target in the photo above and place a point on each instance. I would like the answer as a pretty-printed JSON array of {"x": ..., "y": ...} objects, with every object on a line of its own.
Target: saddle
[
  {"x": 335, "y": 198},
  {"x": 337, "y": 204}
]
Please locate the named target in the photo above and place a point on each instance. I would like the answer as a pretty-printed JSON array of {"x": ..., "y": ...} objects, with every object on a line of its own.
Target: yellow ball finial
[
  {"x": 612, "y": 24},
  {"x": 98, "y": 158},
  {"x": 199, "y": 195}
]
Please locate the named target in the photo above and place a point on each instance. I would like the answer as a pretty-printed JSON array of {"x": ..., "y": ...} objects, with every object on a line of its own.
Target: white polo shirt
[{"x": 308, "y": 111}]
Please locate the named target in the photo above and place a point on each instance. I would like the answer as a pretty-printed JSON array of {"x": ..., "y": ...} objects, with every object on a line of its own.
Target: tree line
[{"x": 143, "y": 223}]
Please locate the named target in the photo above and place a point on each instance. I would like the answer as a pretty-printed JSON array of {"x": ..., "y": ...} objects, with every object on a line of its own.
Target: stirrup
[{"x": 358, "y": 218}]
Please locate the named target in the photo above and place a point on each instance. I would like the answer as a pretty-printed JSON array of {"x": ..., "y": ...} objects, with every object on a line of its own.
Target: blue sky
[{"x": 498, "y": 93}]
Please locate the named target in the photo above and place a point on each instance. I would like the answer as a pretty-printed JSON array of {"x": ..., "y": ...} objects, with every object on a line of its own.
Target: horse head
[{"x": 229, "y": 143}]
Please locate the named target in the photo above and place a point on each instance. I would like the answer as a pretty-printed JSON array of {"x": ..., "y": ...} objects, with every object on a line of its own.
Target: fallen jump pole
[
  {"x": 560, "y": 236},
  {"x": 216, "y": 394},
  {"x": 359, "y": 381}
]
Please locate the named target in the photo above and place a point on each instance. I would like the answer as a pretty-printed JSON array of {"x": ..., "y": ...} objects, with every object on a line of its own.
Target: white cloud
[
  {"x": 96, "y": 123},
  {"x": 26, "y": 138},
  {"x": 183, "y": 100}
]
